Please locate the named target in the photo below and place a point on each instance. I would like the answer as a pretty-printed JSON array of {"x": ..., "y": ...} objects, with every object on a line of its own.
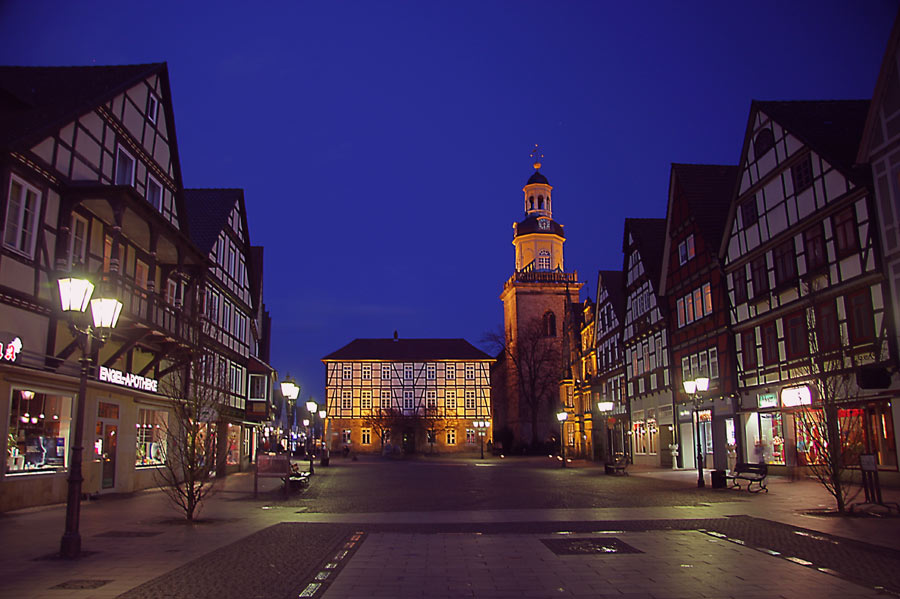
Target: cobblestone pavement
[{"x": 460, "y": 528}]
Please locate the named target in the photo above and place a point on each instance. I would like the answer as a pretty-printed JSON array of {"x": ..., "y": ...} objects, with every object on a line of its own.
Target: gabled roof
[
  {"x": 707, "y": 190},
  {"x": 613, "y": 282},
  {"x": 37, "y": 101},
  {"x": 831, "y": 128},
  {"x": 888, "y": 70},
  {"x": 208, "y": 212},
  {"x": 408, "y": 350},
  {"x": 650, "y": 236}
]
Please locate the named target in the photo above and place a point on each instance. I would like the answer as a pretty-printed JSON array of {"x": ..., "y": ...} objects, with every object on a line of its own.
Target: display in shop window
[{"x": 38, "y": 435}]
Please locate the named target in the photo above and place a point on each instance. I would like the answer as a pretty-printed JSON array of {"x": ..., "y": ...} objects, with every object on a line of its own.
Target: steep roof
[
  {"x": 208, "y": 211},
  {"x": 613, "y": 282},
  {"x": 886, "y": 84},
  {"x": 408, "y": 350},
  {"x": 650, "y": 236},
  {"x": 707, "y": 189},
  {"x": 832, "y": 128},
  {"x": 35, "y": 101}
]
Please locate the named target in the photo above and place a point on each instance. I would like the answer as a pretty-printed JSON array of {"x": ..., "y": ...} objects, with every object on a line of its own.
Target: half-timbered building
[
  {"x": 645, "y": 342},
  {"x": 228, "y": 307},
  {"x": 407, "y": 395},
  {"x": 90, "y": 179},
  {"x": 805, "y": 281},
  {"x": 611, "y": 425},
  {"x": 699, "y": 335}
]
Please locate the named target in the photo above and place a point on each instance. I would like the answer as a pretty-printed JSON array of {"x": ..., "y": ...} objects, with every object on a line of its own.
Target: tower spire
[{"x": 536, "y": 156}]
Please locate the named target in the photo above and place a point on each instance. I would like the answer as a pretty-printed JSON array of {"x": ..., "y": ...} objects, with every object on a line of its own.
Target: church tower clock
[{"x": 536, "y": 301}]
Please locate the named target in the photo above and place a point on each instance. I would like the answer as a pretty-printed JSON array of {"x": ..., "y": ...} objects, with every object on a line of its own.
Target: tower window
[
  {"x": 531, "y": 202},
  {"x": 550, "y": 324},
  {"x": 544, "y": 260},
  {"x": 540, "y": 202}
]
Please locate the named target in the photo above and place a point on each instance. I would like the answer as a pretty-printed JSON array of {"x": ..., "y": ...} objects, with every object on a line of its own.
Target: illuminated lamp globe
[
  {"x": 562, "y": 416},
  {"x": 311, "y": 406},
  {"x": 690, "y": 387},
  {"x": 105, "y": 312},
  {"x": 702, "y": 383},
  {"x": 74, "y": 294}
]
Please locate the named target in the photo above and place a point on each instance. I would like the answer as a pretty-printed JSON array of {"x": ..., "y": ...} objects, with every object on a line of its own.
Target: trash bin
[{"x": 718, "y": 479}]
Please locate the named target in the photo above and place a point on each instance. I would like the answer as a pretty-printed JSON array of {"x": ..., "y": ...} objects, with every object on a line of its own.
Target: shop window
[
  {"x": 769, "y": 344},
  {"x": 233, "y": 447},
  {"x": 845, "y": 232},
  {"x": 859, "y": 316},
  {"x": 796, "y": 335},
  {"x": 150, "y": 446},
  {"x": 827, "y": 332},
  {"x": 764, "y": 434},
  {"x": 652, "y": 436},
  {"x": 39, "y": 429},
  {"x": 639, "y": 432}
]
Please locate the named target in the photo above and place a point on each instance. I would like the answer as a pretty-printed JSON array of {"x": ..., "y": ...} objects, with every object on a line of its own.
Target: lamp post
[
  {"x": 562, "y": 416},
  {"x": 290, "y": 390},
  {"x": 694, "y": 389},
  {"x": 605, "y": 407},
  {"x": 323, "y": 415},
  {"x": 481, "y": 426},
  {"x": 74, "y": 297},
  {"x": 311, "y": 408}
]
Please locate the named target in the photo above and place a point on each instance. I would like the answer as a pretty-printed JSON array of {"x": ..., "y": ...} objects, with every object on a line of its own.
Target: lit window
[
  {"x": 543, "y": 260},
  {"x": 22, "y": 211},
  {"x": 451, "y": 437},
  {"x": 365, "y": 436},
  {"x": 150, "y": 429},
  {"x": 39, "y": 427}
]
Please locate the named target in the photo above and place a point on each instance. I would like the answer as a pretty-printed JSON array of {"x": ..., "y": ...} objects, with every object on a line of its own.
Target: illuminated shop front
[
  {"x": 38, "y": 434},
  {"x": 787, "y": 429}
]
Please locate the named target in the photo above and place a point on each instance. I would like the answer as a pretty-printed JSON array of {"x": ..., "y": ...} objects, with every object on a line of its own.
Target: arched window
[
  {"x": 540, "y": 202},
  {"x": 531, "y": 202},
  {"x": 543, "y": 262},
  {"x": 549, "y": 324},
  {"x": 764, "y": 142}
]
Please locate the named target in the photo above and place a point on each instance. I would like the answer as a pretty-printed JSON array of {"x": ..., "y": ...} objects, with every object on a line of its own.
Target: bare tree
[
  {"x": 436, "y": 421},
  {"x": 188, "y": 474},
  {"x": 832, "y": 425},
  {"x": 534, "y": 361},
  {"x": 383, "y": 421}
]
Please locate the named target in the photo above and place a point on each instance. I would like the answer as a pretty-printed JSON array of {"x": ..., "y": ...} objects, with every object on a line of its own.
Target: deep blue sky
[{"x": 383, "y": 145}]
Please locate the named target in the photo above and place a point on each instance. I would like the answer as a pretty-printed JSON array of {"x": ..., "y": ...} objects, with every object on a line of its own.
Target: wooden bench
[
  {"x": 617, "y": 466},
  {"x": 752, "y": 473}
]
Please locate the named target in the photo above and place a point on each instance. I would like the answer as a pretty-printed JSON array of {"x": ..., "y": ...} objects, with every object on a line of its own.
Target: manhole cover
[
  {"x": 72, "y": 585},
  {"x": 128, "y": 534},
  {"x": 604, "y": 546}
]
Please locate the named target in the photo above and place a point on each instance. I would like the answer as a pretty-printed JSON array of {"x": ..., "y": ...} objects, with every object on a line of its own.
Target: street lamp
[
  {"x": 74, "y": 297},
  {"x": 562, "y": 416},
  {"x": 311, "y": 408},
  {"x": 323, "y": 415},
  {"x": 290, "y": 390},
  {"x": 481, "y": 426},
  {"x": 694, "y": 389}
]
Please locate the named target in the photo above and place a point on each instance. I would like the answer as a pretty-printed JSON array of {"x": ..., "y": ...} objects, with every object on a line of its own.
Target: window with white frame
[
  {"x": 450, "y": 372},
  {"x": 346, "y": 399},
  {"x": 470, "y": 371},
  {"x": 695, "y": 305},
  {"x": 451, "y": 436},
  {"x": 124, "y": 167},
  {"x": 385, "y": 399},
  {"x": 366, "y": 373},
  {"x": 543, "y": 262},
  {"x": 407, "y": 372},
  {"x": 78, "y": 240},
  {"x": 686, "y": 249},
  {"x": 154, "y": 192},
  {"x": 365, "y": 399},
  {"x": 471, "y": 437},
  {"x": 431, "y": 399},
  {"x": 259, "y": 390},
  {"x": 408, "y": 400},
  {"x": 22, "y": 210},
  {"x": 232, "y": 259},
  {"x": 430, "y": 371},
  {"x": 470, "y": 400},
  {"x": 345, "y": 436},
  {"x": 226, "y": 315},
  {"x": 237, "y": 379},
  {"x": 152, "y": 107},
  {"x": 365, "y": 436},
  {"x": 347, "y": 372},
  {"x": 450, "y": 399}
]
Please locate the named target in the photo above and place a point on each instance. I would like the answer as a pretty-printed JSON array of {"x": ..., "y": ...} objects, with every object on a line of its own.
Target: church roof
[
  {"x": 530, "y": 225},
  {"x": 537, "y": 177},
  {"x": 408, "y": 350}
]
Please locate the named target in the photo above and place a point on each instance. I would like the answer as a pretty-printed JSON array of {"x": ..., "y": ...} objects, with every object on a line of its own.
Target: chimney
[{"x": 395, "y": 336}]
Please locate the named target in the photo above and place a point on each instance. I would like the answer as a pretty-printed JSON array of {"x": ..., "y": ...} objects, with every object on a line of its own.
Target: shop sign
[
  {"x": 10, "y": 351},
  {"x": 127, "y": 379},
  {"x": 767, "y": 400},
  {"x": 684, "y": 413},
  {"x": 792, "y": 397}
]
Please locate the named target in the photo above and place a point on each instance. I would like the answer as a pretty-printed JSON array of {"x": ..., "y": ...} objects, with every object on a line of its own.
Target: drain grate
[
  {"x": 73, "y": 585},
  {"x": 129, "y": 534},
  {"x": 604, "y": 546}
]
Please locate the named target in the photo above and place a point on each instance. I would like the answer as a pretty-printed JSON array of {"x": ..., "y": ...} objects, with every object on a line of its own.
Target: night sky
[{"x": 383, "y": 146}]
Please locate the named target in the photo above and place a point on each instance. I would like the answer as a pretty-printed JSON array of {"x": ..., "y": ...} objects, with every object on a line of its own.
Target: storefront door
[{"x": 107, "y": 442}]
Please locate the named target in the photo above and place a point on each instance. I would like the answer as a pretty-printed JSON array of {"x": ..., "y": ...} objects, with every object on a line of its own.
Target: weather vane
[{"x": 537, "y": 156}]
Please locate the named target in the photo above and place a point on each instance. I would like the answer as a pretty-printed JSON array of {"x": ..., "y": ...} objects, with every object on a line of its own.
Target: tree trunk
[{"x": 835, "y": 464}]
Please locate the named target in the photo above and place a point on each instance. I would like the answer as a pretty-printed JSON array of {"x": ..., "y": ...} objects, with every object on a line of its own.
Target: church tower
[{"x": 536, "y": 299}]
